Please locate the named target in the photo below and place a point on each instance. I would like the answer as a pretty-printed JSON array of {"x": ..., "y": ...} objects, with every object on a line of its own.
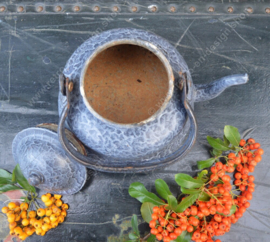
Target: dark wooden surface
[{"x": 34, "y": 49}]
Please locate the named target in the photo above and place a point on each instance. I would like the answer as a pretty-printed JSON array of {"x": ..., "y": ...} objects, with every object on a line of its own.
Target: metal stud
[
  {"x": 153, "y": 8},
  {"x": 20, "y": 9},
  {"x": 76, "y": 8},
  {"x": 249, "y": 9},
  {"x": 230, "y": 9},
  {"x": 39, "y": 8},
  {"x": 58, "y": 8},
  {"x": 192, "y": 9},
  {"x": 96, "y": 8},
  {"x": 134, "y": 9},
  {"x": 173, "y": 9},
  {"x": 115, "y": 9},
  {"x": 2, "y": 9},
  {"x": 267, "y": 10},
  {"x": 211, "y": 9}
]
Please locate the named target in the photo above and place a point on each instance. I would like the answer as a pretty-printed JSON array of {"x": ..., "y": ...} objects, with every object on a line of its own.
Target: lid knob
[{"x": 35, "y": 179}]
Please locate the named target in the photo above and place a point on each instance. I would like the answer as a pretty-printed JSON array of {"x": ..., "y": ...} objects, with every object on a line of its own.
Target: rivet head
[
  {"x": 70, "y": 86},
  {"x": 2, "y": 9},
  {"x": 173, "y": 9},
  {"x": 58, "y": 8},
  {"x": 115, "y": 9},
  {"x": 153, "y": 8},
  {"x": 96, "y": 8},
  {"x": 192, "y": 9},
  {"x": 20, "y": 9},
  {"x": 249, "y": 10},
  {"x": 134, "y": 9},
  {"x": 76, "y": 8},
  {"x": 39, "y": 8},
  {"x": 230, "y": 9},
  {"x": 267, "y": 10},
  {"x": 211, "y": 9}
]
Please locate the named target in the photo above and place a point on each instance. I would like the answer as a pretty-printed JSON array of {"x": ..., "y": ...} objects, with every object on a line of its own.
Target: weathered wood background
[{"x": 34, "y": 48}]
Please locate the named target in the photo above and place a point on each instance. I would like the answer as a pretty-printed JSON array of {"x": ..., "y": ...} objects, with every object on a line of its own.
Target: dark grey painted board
[{"x": 35, "y": 48}]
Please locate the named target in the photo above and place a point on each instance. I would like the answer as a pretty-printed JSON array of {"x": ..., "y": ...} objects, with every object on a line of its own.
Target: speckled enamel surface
[
  {"x": 157, "y": 138},
  {"x": 122, "y": 141},
  {"x": 39, "y": 150}
]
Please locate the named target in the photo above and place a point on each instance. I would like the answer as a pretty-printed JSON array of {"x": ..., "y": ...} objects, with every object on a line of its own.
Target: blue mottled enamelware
[
  {"x": 44, "y": 162},
  {"x": 118, "y": 145}
]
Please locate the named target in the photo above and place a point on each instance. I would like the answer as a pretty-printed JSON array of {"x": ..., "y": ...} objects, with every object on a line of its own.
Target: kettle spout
[{"x": 206, "y": 92}]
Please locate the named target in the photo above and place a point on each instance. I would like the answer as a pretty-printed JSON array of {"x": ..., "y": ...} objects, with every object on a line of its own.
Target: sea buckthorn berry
[
  {"x": 57, "y": 196},
  {"x": 247, "y": 205},
  {"x": 242, "y": 142},
  {"x": 58, "y": 203},
  {"x": 214, "y": 177},
  {"x": 217, "y": 217},
  {"x": 54, "y": 224},
  {"x": 173, "y": 236},
  {"x": 18, "y": 231},
  {"x": 159, "y": 236},
  {"x": 251, "y": 168},
  {"x": 194, "y": 210},
  {"x": 251, "y": 178},
  {"x": 154, "y": 216},
  {"x": 203, "y": 237},
  {"x": 165, "y": 233},
  {"x": 65, "y": 207},
  {"x": 48, "y": 195},
  {"x": 260, "y": 151},
  {"x": 231, "y": 169},
  {"x": 239, "y": 167},
  {"x": 221, "y": 173},
  {"x": 244, "y": 159},
  {"x": 214, "y": 169},
  {"x": 38, "y": 224},
  {"x": 5, "y": 209},
  {"x": 24, "y": 206},
  {"x": 237, "y": 160},
  {"x": 238, "y": 175},
  {"x": 248, "y": 196},
  {"x": 231, "y": 155},
  {"x": 41, "y": 212},
  {"x": 64, "y": 213},
  {"x": 242, "y": 187},
  {"x": 226, "y": 178},
  {"x": 170, "y": 228},
  {"x": 152, "y": 224},
  {"x": 245, "y": 171},
  {"x": 53, "y": 217},
  {"x": 32, "y": 221},
  {"x": 12, "y": 205},
  {"x": 32, "y": 214},
  {"x": 251, "y": 141},
  {"x": 48, "y": 203},
  {"x": 183, "y": 227},
  {"x": 45, "y": 198},
  {"x": 11, "y": 218},
  {"x": 156, "y": 210},
  {"x": 160, "y": 229},
  {"x": 190, "y": 228},
  {"x": 219, "y": 165},
  {"x": 25, "y": 222},
  {"x": 257, "y": 158},
  {"x": 167, "y": 239},
  {"x": 178, "y": 231},
  {"x": 12, "y": 225}
]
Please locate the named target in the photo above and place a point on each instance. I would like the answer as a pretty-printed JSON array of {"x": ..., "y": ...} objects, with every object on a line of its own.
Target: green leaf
[
  {"x": 5, "y": 174},
  {"x": 205, "y": 163},
  {"x": 188, "y": 201},
  {"x": 204, "y": 197},
  {"x": 226, "y": 141},
  {"x": 151, "y": 238},
  {"x": 8, "y": 187},
  {"x": 172, "y": 202},
  {"x": 217, "y": 144},
  {"x": 190, "y": 191},
  {"x": 138, "y": 191},
  {"x": 146, "y": 211},
  {"x": 232, "y": 135},
  {"x": 216, "y": 153},
  {"x": 5, "y": 177},
  {"x": 134, "y": 223},
  {"x": 184, "y": 237},
  {"x": 162, "y": 188},
  {"x": 232, "y": 211},
  {"x": 17, "y": 173},
  {"x": 187, "y": 181},
  {"x": 202, "y": 175},
  {"x": 133, "y": 236}
]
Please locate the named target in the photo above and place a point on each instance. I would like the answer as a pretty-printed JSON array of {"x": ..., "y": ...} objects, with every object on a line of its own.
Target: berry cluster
[
  {"x": 226, "y": 203},
  {"x": 23, "y": 223}
]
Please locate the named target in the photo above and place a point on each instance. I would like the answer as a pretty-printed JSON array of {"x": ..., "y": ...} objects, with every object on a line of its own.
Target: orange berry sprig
[
  {"x": 206, "y": 219},
  {"x": 23, "y": 223}
]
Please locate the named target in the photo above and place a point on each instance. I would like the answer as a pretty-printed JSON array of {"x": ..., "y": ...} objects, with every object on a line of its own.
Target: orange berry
[
  {"x": 5, "y": 209},
  {"x": 190, "y": 228},
  {"x": 32, "y": 214},
  {"x": 41, "y": 212},
  {"x": 11, "y": 218},
  {"x": 25, "y": 222},
  {"x": 56, "y": 196},
  {"x": 24, "y": 206},
  {"x": 12, "y": 205},
  {"x": 12, "y": 225}
]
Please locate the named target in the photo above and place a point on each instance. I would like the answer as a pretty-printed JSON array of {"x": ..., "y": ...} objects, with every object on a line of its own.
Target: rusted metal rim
[{"x": 147, "y": 45}]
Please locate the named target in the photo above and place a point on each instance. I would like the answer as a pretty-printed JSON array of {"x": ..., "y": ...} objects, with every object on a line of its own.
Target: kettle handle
[{"x": 119, "y": 167}]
